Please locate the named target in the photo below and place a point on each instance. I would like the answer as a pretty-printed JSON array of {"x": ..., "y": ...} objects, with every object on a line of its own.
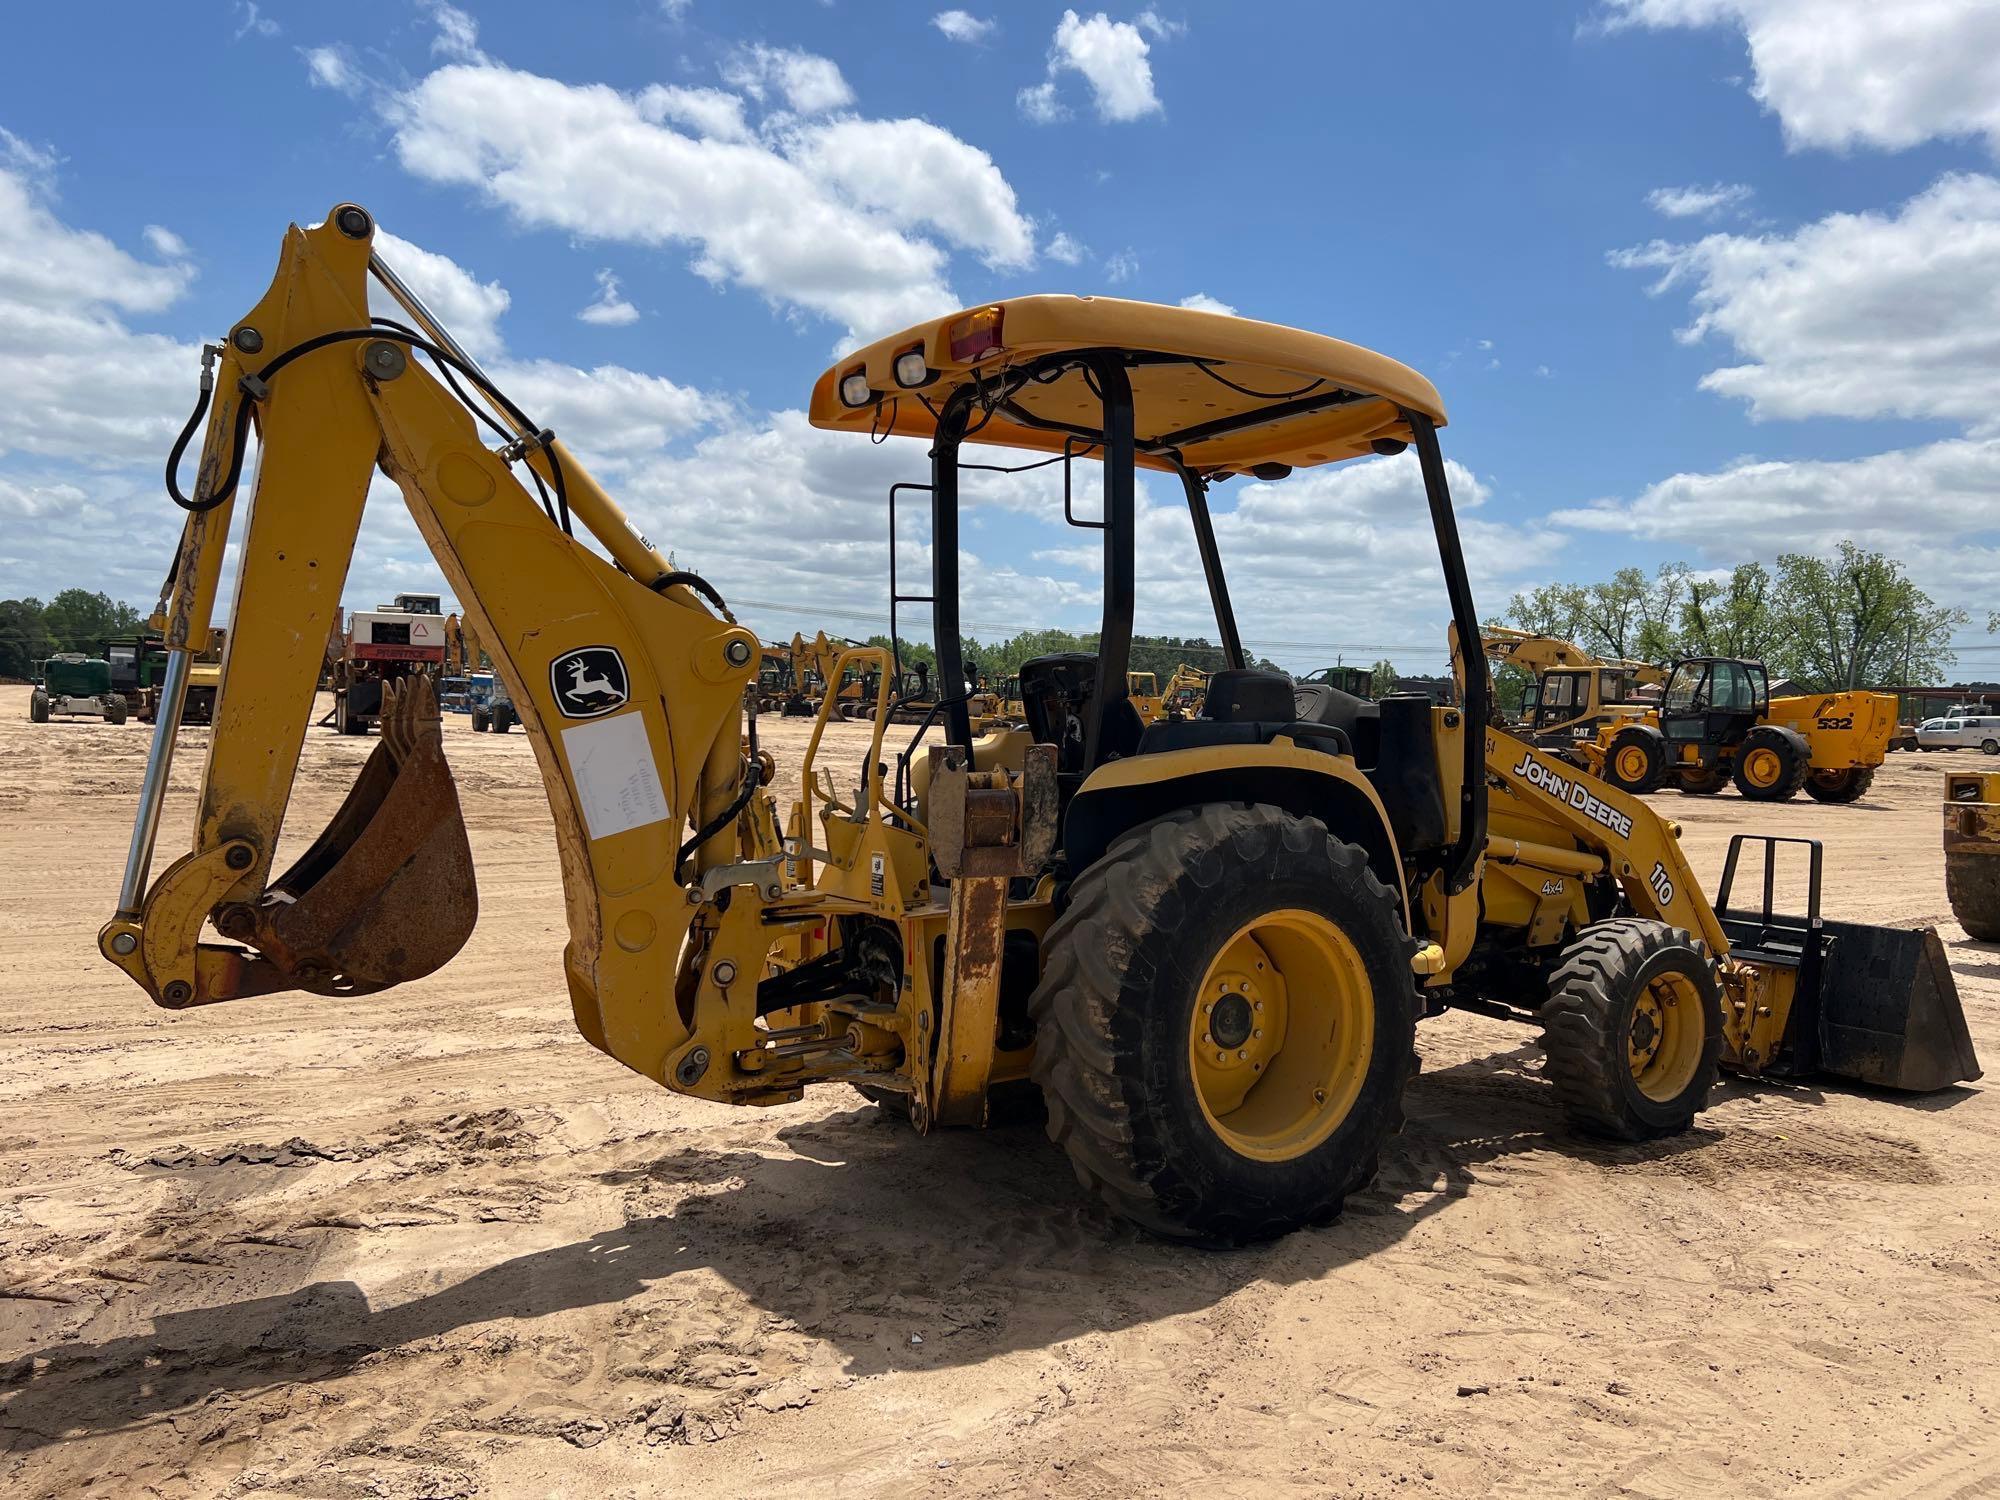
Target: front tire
[
  {"x": 1972, "y": 881},
  {"x": 1225, "y": 1024},
  {"x": 1703, "y": 781},
  {"x": 1849, "y": 785},
  {"x": 1633, "y": 1029},
  {"x": 38, "y": 707},
  {"x": 1636, "y": 761},
  {"x": 114, "y": 711},
  {"x": 1771, "y": 765}
]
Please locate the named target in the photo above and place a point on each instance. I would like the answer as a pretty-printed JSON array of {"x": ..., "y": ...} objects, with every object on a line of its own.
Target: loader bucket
[
  {"x": 1888, "y": 1009},
  {"x": 386, "y": 893},
  {"x": 1878, "y": 1005}
]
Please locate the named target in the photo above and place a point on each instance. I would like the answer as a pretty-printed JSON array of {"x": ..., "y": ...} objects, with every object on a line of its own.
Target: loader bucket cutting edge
[
  {"x": 1889, "y": 1013},
  {"x": 386, "y": 893}
]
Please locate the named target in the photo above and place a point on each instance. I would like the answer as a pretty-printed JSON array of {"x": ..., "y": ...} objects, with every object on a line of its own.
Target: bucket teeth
[{"x": 409, "y": 716}]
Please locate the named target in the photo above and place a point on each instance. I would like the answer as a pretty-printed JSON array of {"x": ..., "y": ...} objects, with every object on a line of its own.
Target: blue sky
[{"x": 1699, "y": 279}]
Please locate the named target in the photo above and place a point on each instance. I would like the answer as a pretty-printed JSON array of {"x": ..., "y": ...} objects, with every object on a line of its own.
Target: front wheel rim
[
  {"x": 1663, "y": 1037},
  {"x": 1761, "y": 768},
  {"x": 1281, "y": 1035},
  {"x": 1631, "y": 763}
]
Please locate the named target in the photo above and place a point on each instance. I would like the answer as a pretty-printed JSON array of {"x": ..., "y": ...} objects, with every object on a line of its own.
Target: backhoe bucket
[
  {"x": 1888, "y": 1009},
  {"x": 386, "y": 893},
  {"x": 1878, "y": 1005}
]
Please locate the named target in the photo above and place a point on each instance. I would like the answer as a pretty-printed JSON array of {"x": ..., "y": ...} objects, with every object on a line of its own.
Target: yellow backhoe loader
[
  {"x": 1205, "y": 942},
  {"x": 1972, "y": 851}
]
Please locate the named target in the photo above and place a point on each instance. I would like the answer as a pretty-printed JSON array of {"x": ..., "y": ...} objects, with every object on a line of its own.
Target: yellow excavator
[{"x": 1205, "y": 943}]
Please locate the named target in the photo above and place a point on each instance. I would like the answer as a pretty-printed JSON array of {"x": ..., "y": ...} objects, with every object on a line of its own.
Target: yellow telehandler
[
  {"x": 1714, "y": 721},
  {"x": 1205, "y": 942}
]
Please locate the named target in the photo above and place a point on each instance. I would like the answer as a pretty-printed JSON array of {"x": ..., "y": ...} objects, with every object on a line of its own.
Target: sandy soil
[{"x": 431, "y": 1244}]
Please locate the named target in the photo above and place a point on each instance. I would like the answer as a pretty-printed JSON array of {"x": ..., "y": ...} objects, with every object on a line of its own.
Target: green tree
[
  {"x": 80, "y": 620},
  {"x": 1856, "y": 621},
  {"x": 1382, "y": 679},
  {"x": 1553, "y": 609},
  {"x": 1727, "y": 617},
  {"x": 25, "y": 642}
]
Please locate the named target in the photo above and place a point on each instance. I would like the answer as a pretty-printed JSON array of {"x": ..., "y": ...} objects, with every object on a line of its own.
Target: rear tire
[
  {"x": 1295, "y": 935},
  {"x": 1850, "y": 785},
  {"x": 1972, "y": 881},
  {"x": 38, "y": 707},
  {"x": 1990, "y": 747},
  {"x": 1633, "y": 1029},
  {"x": 1771, "y": 765},
  {"x": 1636, "y": 761},
  {"x": 114, "y": 711},
  {"x": 1703, "y": 781},
  {"x": 480, "y": 721}
]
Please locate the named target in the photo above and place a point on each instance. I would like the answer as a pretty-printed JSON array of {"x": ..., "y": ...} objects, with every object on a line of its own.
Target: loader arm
[
  {"x": 629, "y": 686},
  {"x": 1640, "y": 850}
]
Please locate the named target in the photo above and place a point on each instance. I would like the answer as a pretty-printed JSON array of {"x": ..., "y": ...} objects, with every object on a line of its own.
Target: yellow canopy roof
[{"x": 1226, "y": 393}]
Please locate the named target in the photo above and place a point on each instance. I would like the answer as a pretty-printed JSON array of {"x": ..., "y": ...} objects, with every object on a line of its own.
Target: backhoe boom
[{"x": 630, "y": 686}]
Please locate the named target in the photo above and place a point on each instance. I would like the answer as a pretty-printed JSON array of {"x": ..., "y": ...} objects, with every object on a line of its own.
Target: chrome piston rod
[{"x": 153, "y": 790}]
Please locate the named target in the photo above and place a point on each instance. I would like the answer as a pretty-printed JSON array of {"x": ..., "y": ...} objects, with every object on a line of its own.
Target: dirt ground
[{"x": 432, "y": 1244}]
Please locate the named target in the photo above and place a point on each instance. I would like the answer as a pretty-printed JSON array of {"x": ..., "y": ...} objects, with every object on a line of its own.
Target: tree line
[
  {"x": 998, "y": 660},
  {"x": 75, "y": 620},
  {"x": 1828, "y": 623}
]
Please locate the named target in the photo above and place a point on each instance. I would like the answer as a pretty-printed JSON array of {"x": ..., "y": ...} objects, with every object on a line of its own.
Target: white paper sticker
[{"x": 611, "y": 761}]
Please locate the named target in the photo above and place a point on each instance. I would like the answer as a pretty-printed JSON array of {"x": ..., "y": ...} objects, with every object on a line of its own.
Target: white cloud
[
  {"x": 1698, "y": 202},
  {"x": 1039, "y": 104},
  {"x": 963, "y": 26},
  {"x": 1856, "y": 315},
  {"x": 334, "y": 68},
  {"x": 1121, "y": 267},
  {"x": 710, "y": 112},
  {"x": 1842, "y": 73},
  {"x": 255, "y": 23},
  {"x": 610, "y": 310},
  {"x": 165, "y": 243},
  {"x": 674, "y": 10},
  {"x": 470, "y": 308},
  {"x": 457, "y": 33},
  {"x": 1932, "y": 506},
  {"x": 76, "y": 382},
  {"x": 1065, "y": 249},
  {"x": 918, "y": 174},
  {"x": 598, "y": 164},
  {"x": 1114, "y": 59},
  {"x": 1202, "y": 302},
  {"x": 809, "y": 83}
]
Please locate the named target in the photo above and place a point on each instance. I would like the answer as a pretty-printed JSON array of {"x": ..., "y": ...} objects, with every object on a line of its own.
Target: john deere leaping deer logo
[{"x": 588, "y": 682}]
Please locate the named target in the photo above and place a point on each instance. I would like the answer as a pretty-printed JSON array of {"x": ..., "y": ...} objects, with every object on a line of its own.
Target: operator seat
[{"x": 1058, "y": 694}]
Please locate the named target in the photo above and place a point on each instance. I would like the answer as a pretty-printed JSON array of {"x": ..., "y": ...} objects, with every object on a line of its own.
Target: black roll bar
[
  {"x": 945, "y": 640},
  {"x": 1196, "y": 489},
  {"x": 1114, "y": 640},
  {"x": 1464, "y": 856}
]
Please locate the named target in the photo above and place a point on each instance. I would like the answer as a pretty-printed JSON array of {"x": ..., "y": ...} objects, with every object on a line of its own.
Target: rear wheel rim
[
  {"x": 1762, "y": 768},
  {"x": 1663, "y": 1037},
  {"x": 1281, "y": 1034}
]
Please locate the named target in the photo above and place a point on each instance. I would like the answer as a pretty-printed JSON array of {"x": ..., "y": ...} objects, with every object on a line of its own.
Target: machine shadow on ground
[{"x": 867, "y": 1210}]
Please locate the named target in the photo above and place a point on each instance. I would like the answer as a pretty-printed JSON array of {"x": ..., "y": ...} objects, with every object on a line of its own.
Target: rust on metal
[
  {"x": 386, "y": 894},
  {"x": 987, "y": 828}
]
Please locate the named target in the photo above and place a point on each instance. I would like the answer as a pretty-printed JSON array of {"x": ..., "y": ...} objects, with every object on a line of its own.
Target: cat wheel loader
[{"x": 1206, "y": 943}]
